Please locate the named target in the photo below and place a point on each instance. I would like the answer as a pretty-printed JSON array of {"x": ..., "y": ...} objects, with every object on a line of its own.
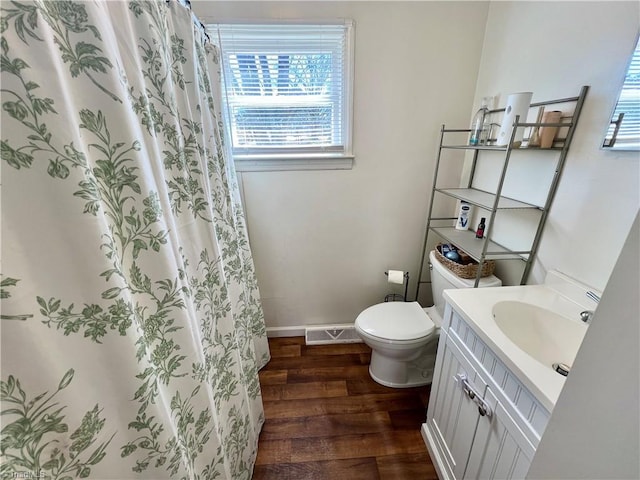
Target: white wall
[
  {"x": 552, "y": 49},
  {"x": 322, "y": 240},
  {"x": 594, "y": 431}
]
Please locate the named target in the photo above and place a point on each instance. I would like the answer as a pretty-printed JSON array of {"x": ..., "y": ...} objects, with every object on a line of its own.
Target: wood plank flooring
[{"x": 326, "y": 418}]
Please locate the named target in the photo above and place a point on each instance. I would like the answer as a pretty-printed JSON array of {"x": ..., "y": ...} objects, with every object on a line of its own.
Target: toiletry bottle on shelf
[
  {"x": 480, "y": 230},
  {"x": 479, "y": 124},
  {"x": 462, "y": 223}
]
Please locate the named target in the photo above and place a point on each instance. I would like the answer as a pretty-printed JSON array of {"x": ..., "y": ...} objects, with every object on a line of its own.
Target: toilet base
[{"x": 397, "y": 374}]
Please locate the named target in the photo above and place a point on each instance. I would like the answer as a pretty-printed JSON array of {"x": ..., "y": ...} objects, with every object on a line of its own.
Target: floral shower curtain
[{"x": 132, "y": 331}]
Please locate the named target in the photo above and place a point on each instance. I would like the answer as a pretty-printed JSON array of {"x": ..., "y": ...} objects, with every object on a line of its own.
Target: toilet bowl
[{"x": 403, "y": 336}]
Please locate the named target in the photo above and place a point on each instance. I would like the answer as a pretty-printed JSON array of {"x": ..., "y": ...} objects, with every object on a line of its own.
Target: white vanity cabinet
[{"x": 481, "y": 422}]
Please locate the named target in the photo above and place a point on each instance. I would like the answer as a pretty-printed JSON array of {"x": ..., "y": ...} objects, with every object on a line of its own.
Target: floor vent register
[{"x": 328, "y": 334}]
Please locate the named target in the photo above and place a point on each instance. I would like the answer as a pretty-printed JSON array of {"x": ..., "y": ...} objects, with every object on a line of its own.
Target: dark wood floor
[{"x": 326, "y": 418}]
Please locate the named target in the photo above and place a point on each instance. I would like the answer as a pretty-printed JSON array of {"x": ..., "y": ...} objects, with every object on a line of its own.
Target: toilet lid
[{"x": 396, "y": 321}]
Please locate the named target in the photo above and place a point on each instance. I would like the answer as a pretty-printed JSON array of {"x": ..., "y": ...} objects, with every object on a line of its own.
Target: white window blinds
[
  {"x": 286, "y": 88},
  {"x": 628, "y": 104}
]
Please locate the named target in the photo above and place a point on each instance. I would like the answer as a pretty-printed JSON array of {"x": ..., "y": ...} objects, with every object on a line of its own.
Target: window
[
  {"x": 287, "y": 94},
  {"x": 624, "y": 130}
]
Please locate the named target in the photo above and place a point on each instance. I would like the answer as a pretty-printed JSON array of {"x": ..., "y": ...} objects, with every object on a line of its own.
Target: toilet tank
[{"x": 442, "y": 278}]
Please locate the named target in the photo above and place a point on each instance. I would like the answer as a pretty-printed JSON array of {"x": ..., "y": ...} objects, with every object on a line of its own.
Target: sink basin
[{"x": 544, "y": 335}]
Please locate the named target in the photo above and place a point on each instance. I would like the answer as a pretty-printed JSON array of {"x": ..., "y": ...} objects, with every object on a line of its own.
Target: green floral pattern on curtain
[{"x": 132, "y": 331}]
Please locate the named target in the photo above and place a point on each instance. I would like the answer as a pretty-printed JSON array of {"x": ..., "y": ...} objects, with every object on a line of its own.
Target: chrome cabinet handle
[{"x": 484, "y": 409}]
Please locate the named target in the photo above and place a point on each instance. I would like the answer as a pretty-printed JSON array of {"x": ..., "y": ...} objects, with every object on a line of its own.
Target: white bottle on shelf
[{"x": 464, "y": 215}]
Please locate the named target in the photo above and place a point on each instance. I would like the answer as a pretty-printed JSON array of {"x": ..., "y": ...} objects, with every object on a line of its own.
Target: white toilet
[{"x": 404, "y": 337}]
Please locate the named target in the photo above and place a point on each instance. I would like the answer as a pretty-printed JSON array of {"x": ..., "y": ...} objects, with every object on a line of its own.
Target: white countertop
[{"x": 475, "y": 306}]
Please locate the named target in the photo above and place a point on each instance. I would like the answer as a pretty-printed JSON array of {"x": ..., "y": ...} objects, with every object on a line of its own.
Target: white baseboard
[{"x": 295, "y": 331}]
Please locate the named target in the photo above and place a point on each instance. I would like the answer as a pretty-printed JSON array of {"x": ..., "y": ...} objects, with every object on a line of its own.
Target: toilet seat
[{"x": 396, "y": 321}]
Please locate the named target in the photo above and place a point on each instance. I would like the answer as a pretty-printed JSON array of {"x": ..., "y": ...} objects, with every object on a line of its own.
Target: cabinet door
[
  {"x": 500, "y": 449},
  {"x": 452, "y": 417}
]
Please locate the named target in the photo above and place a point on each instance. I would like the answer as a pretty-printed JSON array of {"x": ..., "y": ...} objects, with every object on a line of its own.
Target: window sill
[{"x": 280, "y": 163}]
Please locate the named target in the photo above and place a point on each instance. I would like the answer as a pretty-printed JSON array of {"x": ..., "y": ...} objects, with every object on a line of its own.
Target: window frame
[
  {"x": 308, "y": 158},
  {"x": 622, "y": 133}
]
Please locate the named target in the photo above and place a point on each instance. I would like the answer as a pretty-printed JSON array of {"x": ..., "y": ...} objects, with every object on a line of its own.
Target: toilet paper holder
[{"x": 393, "y": 296}]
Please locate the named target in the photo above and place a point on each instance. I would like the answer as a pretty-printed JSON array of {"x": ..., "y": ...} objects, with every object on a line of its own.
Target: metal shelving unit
[{"x": 492, "y": 202}]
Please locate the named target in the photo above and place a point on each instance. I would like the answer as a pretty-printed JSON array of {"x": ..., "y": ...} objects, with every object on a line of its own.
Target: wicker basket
[{"x": 468, "y": 271}]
